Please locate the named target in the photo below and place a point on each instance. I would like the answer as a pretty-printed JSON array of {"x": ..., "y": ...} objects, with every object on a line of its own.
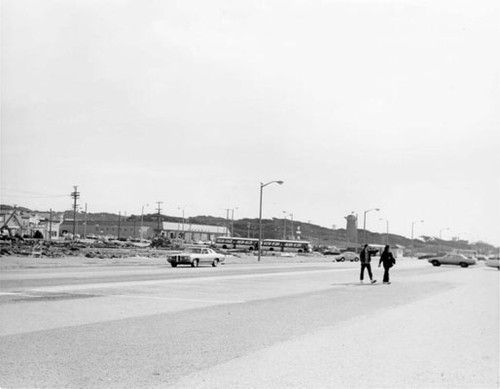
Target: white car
[
  {"x": 493, "y": 262},
  {"x": 195, "y": 256},
  {"x": 452, "y": 259},
  {"x": 347, "y": 256}
]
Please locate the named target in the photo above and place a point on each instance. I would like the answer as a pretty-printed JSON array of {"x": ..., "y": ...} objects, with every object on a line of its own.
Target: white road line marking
[{"x": 110, "y": 285}]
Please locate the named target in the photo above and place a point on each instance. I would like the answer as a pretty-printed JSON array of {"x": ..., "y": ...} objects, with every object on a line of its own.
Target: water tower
[{"x": 352, "y": 229}]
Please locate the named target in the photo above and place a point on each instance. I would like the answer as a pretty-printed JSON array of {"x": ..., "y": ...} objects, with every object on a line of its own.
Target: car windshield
[{"x": 192, "y": 250}]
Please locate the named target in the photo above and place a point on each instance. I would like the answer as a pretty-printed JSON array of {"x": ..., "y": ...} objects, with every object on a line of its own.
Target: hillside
[{"x": 274, "y": 228}]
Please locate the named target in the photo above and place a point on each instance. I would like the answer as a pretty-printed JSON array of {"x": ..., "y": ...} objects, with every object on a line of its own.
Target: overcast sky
[{"x": 354, "y": 104}]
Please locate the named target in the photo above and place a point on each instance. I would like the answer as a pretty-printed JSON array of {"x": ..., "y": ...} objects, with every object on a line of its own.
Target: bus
[
  {"x": 251, "y": 244},
  {"x": 234, "y": 243},
  {"x": 280, "y": 245}
]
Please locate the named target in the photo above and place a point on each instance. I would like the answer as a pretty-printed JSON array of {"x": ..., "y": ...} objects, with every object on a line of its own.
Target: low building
[
  {"x": 108, "y": 228},
  {"x": 397, "y": 250},
  {"x": 187, "y": 232}
]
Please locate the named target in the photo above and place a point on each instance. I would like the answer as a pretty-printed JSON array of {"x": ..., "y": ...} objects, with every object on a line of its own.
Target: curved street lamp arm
[{"x": 271, "y": 182}]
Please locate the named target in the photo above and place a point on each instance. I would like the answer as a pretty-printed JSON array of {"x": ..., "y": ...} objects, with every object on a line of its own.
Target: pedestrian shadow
[
  {"x": 356, "y": 284},
  {"x": 346, "y": 284}
]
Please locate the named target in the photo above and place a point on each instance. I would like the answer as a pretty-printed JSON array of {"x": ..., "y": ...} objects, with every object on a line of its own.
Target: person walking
[
  {"x": 387, "y": 259},
  {"x": 365, "y": 258}
]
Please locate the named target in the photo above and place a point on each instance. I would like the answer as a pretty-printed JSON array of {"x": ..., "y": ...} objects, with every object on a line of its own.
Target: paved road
[{"x": 260, "y": 325}]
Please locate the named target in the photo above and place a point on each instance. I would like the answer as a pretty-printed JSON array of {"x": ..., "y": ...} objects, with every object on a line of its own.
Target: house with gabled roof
[
  {"x": 15, "y": 223},
  {"x": 12, "y": 222}
]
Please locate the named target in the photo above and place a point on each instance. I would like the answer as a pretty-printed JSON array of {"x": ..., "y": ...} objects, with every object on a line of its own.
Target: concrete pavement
[
  {"x": 450, "y": 340},
  {"x": 271, "y": 326}
]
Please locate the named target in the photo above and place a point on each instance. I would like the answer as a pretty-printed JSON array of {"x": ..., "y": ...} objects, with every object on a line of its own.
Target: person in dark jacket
[
  {"x": 365, "y": 257},
  {"x": 387, "y": 259}
]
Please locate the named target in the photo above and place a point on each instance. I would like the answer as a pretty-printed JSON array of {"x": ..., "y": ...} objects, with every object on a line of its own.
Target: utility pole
[
  {"x": 119, "y": 219},
  {"x": 75, "y": 194},
  {"x": 142, "y": 219},
  {"x": 50, "y": 225},
  {"x": 159, "y": 215},
  {"x": 85, "y": 224}
]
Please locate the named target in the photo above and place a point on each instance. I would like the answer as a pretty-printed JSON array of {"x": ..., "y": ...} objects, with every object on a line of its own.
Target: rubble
[{"x": 39, "y": 248}]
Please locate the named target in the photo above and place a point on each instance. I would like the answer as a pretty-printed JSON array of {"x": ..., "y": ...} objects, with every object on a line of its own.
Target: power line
[{"x": 27, "y": 194}]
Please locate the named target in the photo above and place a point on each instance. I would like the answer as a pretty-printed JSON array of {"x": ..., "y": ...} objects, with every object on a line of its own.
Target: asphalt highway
[{"x": 226, "y": 327}]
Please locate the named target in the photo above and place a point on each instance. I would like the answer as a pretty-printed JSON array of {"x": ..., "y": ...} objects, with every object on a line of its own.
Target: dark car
[
  {"x": 331, "y": 251},
  {"x": 427, "y": 256},
  {"x": 347, "y": 256}
]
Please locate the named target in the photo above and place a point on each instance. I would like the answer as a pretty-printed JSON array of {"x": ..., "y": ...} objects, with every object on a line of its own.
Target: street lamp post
[
  {"x": 232, "y": 221},
  {"x": 260, "y": 213},
  {"x": 182, "y": 229},
  {"x": 142, "y": 219},
  {"x": 412, "y": 229},
  {"x": 386, "y": 230},
  {"x": 364, "y": 221},
  {"x": 284, "y": 226}
]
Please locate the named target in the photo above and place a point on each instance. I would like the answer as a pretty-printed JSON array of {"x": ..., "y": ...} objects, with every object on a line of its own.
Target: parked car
[
  {"x": 347, "y": 256},
  {"x": 452, "y": 259},
  {"x": 195, "y": 256},
  {"x": 493, "y": 262},
  {"x": 427, "y": 256},
  {"x": 481, "y": 257},
  {"x": 331, "y": 250}
]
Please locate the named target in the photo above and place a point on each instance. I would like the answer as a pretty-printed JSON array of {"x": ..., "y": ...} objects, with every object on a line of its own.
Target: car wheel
[
  {"x": 342, "y": 259},
  {"x": 356, "y": 259},
  {"x": 215, "y": 262},
  {"x": 173, "y": 264},
  {"x": 435, "y": 263},
  {"x": 194, "y": 263},
  {"x": 463, "y": 264}
]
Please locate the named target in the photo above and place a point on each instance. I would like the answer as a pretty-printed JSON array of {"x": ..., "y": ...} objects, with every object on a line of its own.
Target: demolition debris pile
[{"x": 95, "y": 249}]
